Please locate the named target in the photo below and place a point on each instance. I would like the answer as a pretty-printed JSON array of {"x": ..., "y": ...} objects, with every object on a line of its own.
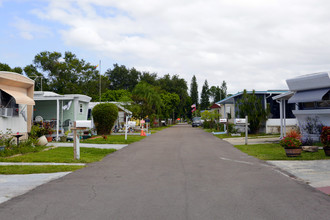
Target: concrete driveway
[{"x": 241, "y": 140}]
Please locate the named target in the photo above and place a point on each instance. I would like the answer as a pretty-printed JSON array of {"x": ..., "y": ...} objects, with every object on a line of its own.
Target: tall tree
[
  {"x": 223, "y": 89},
  {"x": 179, "y": 86},
  {"x": 122, "y": 78},
  {"x": 171, "y": 102},
  {"x": 150, "y": 78},
  {"x": 66, "y": 75},
  {"x": 205, "y": 100},
  {"x": 217, "y": 95},
  {"x": 213, "y": 93},
  {"x": 148, "y": 100},
  {"x": 6, "y": 67},
  {"x": 250, "y": 105},
  {"x": 116, "y": 95},
  {"x": 194, "y": 90}
]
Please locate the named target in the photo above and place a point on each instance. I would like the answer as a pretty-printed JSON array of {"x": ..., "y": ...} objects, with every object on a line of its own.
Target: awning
[
  {"x": 19, "y": 96},
  {"x": 308, "y": 96}
]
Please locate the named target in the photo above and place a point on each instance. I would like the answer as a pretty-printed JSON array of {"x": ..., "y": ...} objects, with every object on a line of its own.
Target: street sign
[
  {"x": 240, "y": 121},
  {"x": 223, "y": 120}
]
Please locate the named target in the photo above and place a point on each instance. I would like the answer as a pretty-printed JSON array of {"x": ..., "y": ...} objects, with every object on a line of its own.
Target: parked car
[{"x": 197, "y": 121}]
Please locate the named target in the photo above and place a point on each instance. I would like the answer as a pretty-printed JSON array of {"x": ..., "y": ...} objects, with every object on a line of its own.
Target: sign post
[
  {"x": 246, "y": 130},
  {"x": 244, "y": 121},
  {"x": 225, "y": 122},
  {"x": 78, "y": 125}
]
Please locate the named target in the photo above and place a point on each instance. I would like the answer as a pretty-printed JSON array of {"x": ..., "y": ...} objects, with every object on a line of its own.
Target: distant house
[
  {"x": 311, "y": 96},
  {"x": 16, "y": 102},
  {"x": 60, "y": 110},
  {"x": 216, "y": 107},
  {"x": 230, "y": 109},
  {"x": 122, "y": 112}
]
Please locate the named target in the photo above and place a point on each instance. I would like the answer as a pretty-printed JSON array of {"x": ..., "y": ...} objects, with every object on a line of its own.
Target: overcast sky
[{"x": 254, "y": 44}]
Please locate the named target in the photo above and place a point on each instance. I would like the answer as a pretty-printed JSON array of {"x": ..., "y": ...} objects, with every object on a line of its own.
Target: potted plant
[
  {"x": 325, "y": 139},
  {"x": 292, "y": 144},
  {"x": 48, "y": 131},
  {"x": 38, "y": 132}
]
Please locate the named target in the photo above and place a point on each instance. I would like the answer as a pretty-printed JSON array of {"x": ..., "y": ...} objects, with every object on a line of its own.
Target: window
[
  {"x": 324, "y": 104},
  {"x": 7, "y": 101},
  {"x": 81, "y": 109}
]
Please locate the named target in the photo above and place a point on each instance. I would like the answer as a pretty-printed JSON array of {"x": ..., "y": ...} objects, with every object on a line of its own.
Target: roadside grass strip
[
  {"x": 114, "y": 139},
  {"x": 276, "y": 152},
  {"x": 27, "y": 169},
  {"x": 250, "y": 136},
  {"x": 62, "y": 155}
]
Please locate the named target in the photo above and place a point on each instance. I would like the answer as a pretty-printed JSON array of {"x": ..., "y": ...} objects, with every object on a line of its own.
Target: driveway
[{"x": 178, "y": 173}]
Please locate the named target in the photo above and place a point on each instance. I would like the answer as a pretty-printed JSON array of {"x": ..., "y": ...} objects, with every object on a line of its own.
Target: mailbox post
[
  {"x": 245, "y": 122},
  {"x": 126, "y": 125},
  {"x": 78, "y": 125}
]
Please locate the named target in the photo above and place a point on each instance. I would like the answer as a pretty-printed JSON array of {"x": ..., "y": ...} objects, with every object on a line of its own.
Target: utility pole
[{"x": 100, "y": 81}]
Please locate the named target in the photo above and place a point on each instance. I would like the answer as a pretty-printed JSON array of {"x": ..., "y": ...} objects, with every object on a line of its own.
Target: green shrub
[
  {"x": 104, "y": 115},
  {"x": 231, "y": 128},
  {"x": 6, "y": 140},
  {"x": 25, "y": 146},
  {"x": 37, "y": 131}
]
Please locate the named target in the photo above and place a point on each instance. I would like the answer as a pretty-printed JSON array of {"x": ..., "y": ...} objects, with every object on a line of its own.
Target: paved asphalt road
[{"x": 178, "y": 173}]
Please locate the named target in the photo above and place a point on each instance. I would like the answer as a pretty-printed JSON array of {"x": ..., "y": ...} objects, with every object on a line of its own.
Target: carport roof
[
  {"x": 230, "y": 99},
  {"x": 46, "y": 95}
]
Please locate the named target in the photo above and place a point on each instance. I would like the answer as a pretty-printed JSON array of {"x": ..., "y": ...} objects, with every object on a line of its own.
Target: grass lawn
[
  {"x": 20, "y": 169},
  {"x": 61, "y": 155},
  {"x": 114, "y": 139},
  {"x": 250, "y": 136},
  {"x": 276, "y": 152}
]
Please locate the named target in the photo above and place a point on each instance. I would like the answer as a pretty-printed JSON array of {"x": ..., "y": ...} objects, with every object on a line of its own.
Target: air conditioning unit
[{"x": 6, "y": 112}]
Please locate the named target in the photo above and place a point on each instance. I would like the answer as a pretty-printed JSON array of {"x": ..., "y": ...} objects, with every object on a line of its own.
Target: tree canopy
[
  {"x": 148, "y": 94},
  {"x": 6, "y": 67},
  {"x": 122, "y": 78},
  {"x": 250, "y": 105},
  {"x": 148, "y": 99},
  {"x": 205, "y": 102},
  {"x": 194, "y": 91}
]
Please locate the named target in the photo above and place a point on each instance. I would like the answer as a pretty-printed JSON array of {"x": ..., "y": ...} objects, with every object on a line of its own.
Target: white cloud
[
  {"x": 250, "y": 44},
  {"x": 29, "y": 31}
]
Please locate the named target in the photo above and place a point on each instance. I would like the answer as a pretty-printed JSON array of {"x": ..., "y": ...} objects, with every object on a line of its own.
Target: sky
[{"x": 255, "y": 44}]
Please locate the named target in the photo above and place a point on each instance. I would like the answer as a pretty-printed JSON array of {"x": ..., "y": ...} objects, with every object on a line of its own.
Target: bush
[
  {"x": 325, "y": 136},
  {"x": 231, "y": 128},
  {"x": 104, "y": 115},
  {"x": 294, "y": 134},
  {"x": 6, "y": 140},
  {"x": 290, "y": 142},
  {"x": 38, "y": 131}
]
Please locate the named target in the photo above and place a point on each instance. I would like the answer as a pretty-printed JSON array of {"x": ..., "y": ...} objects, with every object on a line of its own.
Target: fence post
[{"x": 246, "y": 130}]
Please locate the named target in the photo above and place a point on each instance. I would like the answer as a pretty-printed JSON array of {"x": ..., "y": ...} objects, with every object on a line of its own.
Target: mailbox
[
  {"x": 240, "y": 121},
  {"x": 223, "y": 120},
  {"x": 84, "y": 124}
]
